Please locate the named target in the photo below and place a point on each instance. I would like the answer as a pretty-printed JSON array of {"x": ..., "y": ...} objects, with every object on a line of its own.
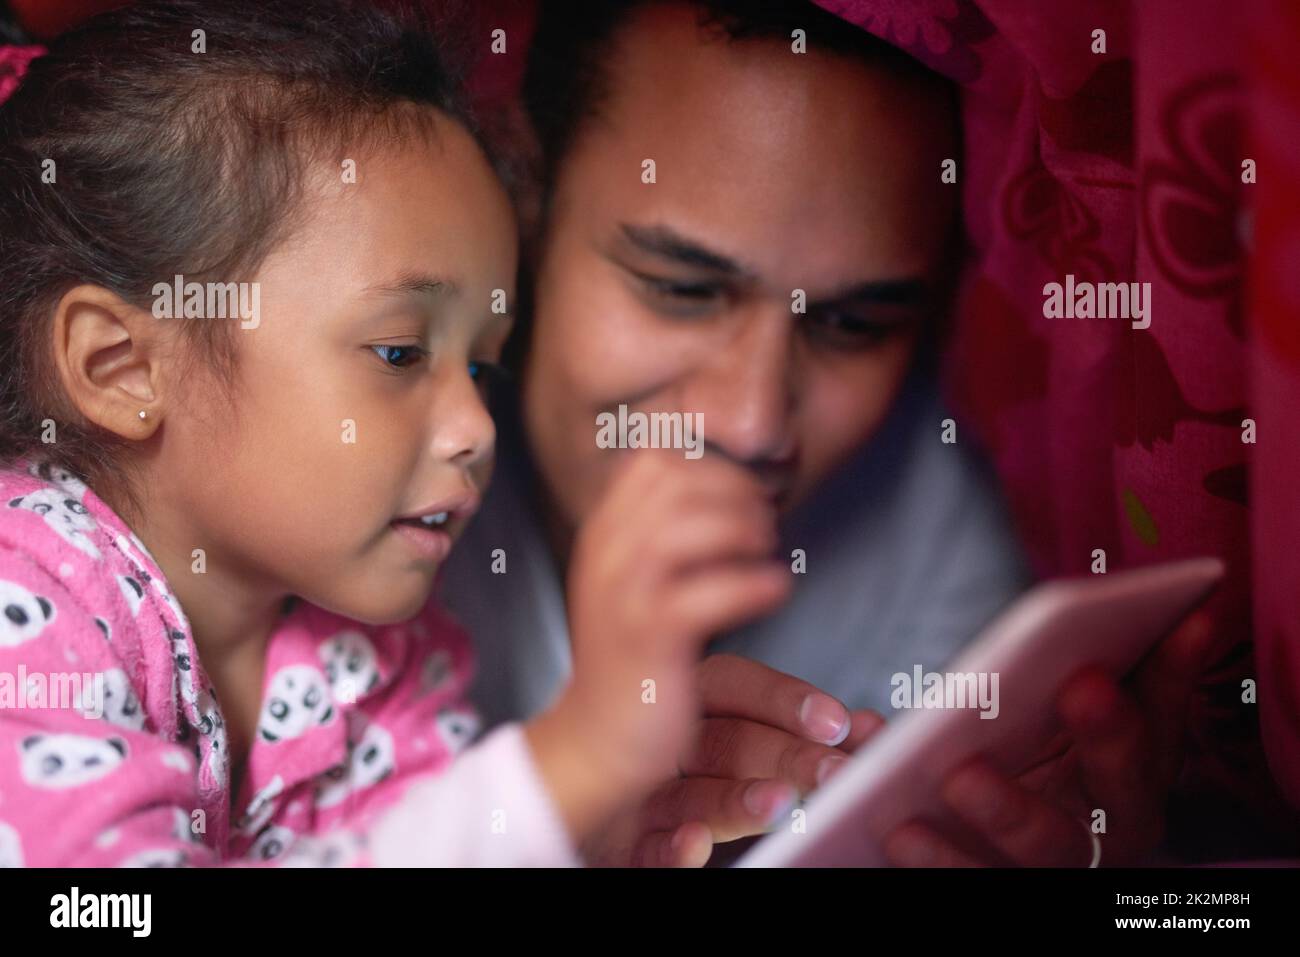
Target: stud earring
[{"x": 142, "y": 413}]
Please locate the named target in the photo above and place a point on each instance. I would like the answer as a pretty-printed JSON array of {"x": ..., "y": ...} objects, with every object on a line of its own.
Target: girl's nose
[{"x": 463, "y": 431}]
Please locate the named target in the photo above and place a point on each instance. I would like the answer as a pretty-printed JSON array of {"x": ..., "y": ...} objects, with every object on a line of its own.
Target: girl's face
[
  {"x": 774, "y": 172},
  {"x": 358, "y": 396}
]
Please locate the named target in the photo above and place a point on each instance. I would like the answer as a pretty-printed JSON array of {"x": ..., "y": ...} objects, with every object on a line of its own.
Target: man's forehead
[
  {"x": 672, "y": 85},
  {"x": 667, "y": 52},
  {"x": 755, "y": 157}
]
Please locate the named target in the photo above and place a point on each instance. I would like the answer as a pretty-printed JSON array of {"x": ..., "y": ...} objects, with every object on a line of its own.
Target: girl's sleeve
[
  {"x": 79, "y": 790},
  {"x": 490, "y": 809},
  {"x": 83, "y": 781}
]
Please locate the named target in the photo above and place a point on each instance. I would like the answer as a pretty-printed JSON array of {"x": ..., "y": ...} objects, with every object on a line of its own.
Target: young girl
[{"x": 252, "y": 266}]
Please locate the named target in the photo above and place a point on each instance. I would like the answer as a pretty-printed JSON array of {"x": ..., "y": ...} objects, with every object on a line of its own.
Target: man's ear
[{"x": 109, "y": 358}]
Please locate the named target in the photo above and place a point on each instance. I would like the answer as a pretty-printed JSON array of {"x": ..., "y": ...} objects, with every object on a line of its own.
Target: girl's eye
[
  {"x": 487, "y": 374},
  {"x": 400, "y": 357}
]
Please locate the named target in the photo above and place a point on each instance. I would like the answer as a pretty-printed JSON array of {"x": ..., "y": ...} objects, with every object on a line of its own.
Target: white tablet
[{"x": 997, "y": 699}]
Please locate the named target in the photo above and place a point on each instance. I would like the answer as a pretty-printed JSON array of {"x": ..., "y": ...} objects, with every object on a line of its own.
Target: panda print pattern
[
  {"x": 350, "y": 664},
  {"x": 298, "y": 700},
  {"x": 25, "y": 614},
  {"x": 67, "y": 516},
  {"x": 372, "y": 756},
  {"x": 69, "y": 760},
  {"x": 351, "y": 715}
]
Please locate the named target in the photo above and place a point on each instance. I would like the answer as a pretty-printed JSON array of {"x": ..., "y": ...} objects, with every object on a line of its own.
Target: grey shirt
[{"x": 908, "y": 549}]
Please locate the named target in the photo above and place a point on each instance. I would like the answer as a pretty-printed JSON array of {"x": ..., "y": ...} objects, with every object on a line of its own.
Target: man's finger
[
  {"x": 1014, "y": 821},
  {"x": 915, "y": 845},
  {"x": 1164, "y": 686},
  {"x": 726, "y": 596},
  {"x": 730, "y": 809},
  {"x": 737, "y": 749},
  {"x": 1115, "y": 759},
  {"x": 689, "y": 845},
  {"x": 731, "y": 686},
  {"x": 865, "y": 724}
]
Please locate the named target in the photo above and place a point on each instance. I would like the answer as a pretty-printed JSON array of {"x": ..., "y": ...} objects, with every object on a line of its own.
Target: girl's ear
[{"x": 109, "y": 357}]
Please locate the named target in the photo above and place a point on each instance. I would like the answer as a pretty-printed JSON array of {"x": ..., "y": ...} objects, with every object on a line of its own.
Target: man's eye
[
  {"x": 843, "y": 329},
  {"x": 399, "y": 357},
  {"x": 684, "y": 290},
  {"x": 679, "y": 294}
]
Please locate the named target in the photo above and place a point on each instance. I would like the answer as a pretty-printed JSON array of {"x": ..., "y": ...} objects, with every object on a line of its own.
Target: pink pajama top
[{"x": 113, "y": 749}]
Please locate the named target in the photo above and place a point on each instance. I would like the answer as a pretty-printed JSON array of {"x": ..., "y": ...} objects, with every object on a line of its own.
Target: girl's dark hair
[{"x": 170, "y": 159}]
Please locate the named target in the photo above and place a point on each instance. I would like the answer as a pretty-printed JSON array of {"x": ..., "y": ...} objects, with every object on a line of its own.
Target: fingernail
[
  {"x": 783, "y": 810},
  {"x": 769, "y": 801},
  {"x": 825, "y": 718},
  {"x": 828, "y": 766}
]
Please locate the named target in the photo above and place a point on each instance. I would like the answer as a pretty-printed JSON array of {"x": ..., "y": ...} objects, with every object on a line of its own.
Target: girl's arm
[{"x": 113, "y": 790}]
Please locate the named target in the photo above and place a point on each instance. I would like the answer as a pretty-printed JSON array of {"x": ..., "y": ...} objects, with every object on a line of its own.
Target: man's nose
[
  {"x": 747, "y": 391},
  {"x": 463, "y": 432}
]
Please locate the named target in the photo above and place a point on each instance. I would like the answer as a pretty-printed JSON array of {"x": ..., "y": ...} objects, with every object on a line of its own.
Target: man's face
[{"x": 775, "y": 172}]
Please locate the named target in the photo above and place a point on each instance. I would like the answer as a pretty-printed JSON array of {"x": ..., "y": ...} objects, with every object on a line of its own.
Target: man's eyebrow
[
  {"x": 416, "y": 284},
  {"x": 667, "y": 243}
]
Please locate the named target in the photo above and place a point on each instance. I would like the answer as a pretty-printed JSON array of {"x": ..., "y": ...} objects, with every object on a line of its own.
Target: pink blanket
[{"x": 1160, "y": 160}]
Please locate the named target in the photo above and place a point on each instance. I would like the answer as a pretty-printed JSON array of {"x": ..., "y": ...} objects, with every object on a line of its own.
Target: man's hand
[
  {"x": 1121, "y": 752},
  {"x": 676, "y": 552},
  {"x": 764, "y": 739}
]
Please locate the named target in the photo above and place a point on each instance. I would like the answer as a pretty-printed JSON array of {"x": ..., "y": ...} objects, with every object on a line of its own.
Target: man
[{"x": 758, "y": 235}]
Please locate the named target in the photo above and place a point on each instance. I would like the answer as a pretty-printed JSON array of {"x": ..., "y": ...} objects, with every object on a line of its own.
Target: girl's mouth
[
  {"x": 428, "y": 536},
  {"x": 436, "y": 520},
  {"x": 429, "y": 531}
]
